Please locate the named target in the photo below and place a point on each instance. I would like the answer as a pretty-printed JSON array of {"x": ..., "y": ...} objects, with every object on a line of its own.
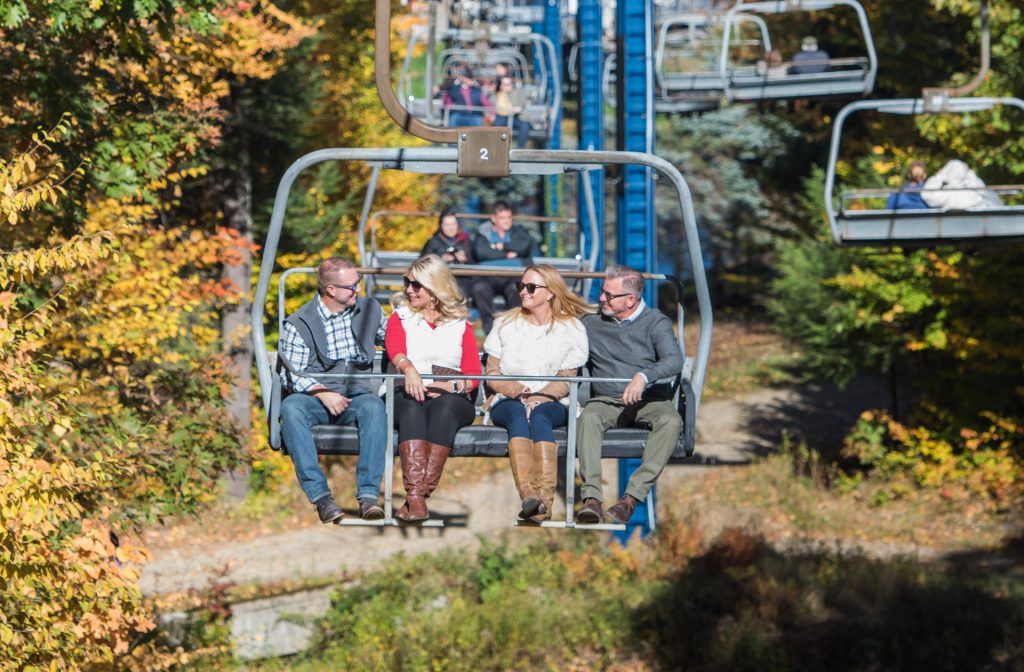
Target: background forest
[{"x": 142, "y": 145}]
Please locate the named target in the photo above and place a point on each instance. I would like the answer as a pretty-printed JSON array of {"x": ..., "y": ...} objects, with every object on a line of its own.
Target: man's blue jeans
[{"x": 299, "y": 412}]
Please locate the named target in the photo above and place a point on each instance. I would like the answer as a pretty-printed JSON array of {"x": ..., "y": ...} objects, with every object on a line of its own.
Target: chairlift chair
[
  {"x": 479, "y": 440},
  {"x": 854, "y": 222},
  {"x": 541, "y": 79},
  {"x": 681, "y": 36},
  {"x": 845, "y": 76}
]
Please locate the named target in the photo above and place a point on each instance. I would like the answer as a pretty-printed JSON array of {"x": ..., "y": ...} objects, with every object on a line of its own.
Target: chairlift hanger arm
[{"x": 936, "y": 98}]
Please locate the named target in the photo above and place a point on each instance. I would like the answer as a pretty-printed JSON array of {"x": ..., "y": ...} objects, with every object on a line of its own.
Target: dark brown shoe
[
  {"x": 370, "y": 510},
  {"x": 622, "y": 511},
  {"x": 328, "y": 510},
  {"x": 590, "y": 513}
]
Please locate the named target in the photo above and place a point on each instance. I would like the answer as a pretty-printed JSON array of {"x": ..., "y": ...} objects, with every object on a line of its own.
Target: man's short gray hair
[
  {"x": 632, "y": 281},
  {"x": 328, "y": 270}
]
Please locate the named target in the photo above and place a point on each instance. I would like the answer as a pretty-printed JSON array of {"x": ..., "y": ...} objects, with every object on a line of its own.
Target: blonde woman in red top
[{"x": 428, "y": 335}]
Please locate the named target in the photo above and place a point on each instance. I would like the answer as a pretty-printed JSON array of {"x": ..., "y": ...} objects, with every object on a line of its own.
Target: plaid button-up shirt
[{"x": 341, "y": 344}]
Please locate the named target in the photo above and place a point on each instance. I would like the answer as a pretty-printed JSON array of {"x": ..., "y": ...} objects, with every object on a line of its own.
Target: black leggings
[{"x": 436, "y": 420}]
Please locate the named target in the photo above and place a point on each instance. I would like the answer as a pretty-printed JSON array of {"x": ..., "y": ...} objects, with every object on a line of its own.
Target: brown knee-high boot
[
  {"x": 415, "y": 455},
  {"x": 545, "y": 476},
  {"x": 520, "y": 456},
  {"x": 435, "y": 465}
]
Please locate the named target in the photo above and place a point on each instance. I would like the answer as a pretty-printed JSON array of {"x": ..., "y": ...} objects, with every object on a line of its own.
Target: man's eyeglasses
[
  {"x": 415, "y": 284},
  {"x": 609, "y": 297},
  {"x": 354, "y": 287},
  {"x": 530, "y": 287}
]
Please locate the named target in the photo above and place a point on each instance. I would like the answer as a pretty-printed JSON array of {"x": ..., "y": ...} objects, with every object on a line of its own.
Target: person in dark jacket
[
  {"x": 810, "y": 60},
  {"x": 499, "y": 242},
  {"x": 909, "y": 195},
  {"x": 466, "y": 102},
  {"x": 453, "y": 245}
]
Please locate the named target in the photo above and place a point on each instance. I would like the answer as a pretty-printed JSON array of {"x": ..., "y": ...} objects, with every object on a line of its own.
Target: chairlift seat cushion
[
  {"x": 928, "y": 226},
  {"x": 491, "y": 441}
]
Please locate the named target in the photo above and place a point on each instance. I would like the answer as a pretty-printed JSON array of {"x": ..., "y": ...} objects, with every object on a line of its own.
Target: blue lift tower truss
[{"x": 635, "y": 217}]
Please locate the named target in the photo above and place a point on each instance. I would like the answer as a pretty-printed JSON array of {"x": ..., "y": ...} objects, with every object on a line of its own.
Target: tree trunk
[{"x": 235, "y": 331}]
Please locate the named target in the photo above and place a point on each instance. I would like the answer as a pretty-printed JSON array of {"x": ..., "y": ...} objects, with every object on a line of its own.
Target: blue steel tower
[{"x": 635, "y": 217}]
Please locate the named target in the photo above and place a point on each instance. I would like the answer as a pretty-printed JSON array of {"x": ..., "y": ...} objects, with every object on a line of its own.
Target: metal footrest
[
  {"x": 568, "y": 525},
  {"x": 388, "y": 522}
]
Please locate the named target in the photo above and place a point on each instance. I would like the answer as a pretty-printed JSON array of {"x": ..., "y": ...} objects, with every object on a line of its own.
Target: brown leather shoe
[
  {"x": 622, "y": 511},
  {"x": 590, "y": 513},
  {"x": 370, "y": 510},
  {"x": 414, "y": 455},
  {"x": 328, "y": 510}
]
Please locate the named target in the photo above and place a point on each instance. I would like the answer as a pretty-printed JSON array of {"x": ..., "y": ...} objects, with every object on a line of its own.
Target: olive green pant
[{"x": 603, "y": 413}]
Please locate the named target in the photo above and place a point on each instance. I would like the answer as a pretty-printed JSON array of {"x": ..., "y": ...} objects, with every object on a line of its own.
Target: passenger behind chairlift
[
  {"x": 508, "y": 105},
  {"x": 453, "y": 245},
  {"x": 909, "y": 195},
  {"x": 810, "y": 59},
  {"x": 772, "y": 66},
  {"x": 466, "y": 102},
  {"x": 957, "y": 187}
]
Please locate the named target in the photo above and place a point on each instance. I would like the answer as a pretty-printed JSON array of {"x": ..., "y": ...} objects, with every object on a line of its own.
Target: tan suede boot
[
  {"x": 545, "y": 476},
  {"x": 414, "y": 455},
  {"x": 520, "y": 456}
]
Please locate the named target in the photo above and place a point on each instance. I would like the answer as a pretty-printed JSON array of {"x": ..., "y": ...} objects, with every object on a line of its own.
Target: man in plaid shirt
[{"x": 334, "y": 334}]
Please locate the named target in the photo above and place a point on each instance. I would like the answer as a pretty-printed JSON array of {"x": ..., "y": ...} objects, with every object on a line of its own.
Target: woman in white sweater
[
  {"x": 543, "y": 337},
  {"x": 427, "y": 337}
]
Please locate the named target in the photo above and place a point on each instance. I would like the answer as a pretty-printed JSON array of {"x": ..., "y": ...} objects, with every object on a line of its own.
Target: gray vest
[{"x": 365, "y": 323}]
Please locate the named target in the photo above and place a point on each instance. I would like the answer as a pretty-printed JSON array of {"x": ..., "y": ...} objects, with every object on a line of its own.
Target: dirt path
[{"x": 729, "y": 432}]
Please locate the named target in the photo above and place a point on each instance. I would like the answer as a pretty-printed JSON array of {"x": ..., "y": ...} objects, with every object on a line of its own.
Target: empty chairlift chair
[
  {"x": 842, "y": 77},
  {"x": 686, "y": 58},
  {"x": 479, "y": 440},
  {"x": 860, "y": 218}
]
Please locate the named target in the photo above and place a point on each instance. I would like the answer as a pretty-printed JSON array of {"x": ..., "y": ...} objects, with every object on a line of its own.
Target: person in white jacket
[{"x": 957, "y": 187}]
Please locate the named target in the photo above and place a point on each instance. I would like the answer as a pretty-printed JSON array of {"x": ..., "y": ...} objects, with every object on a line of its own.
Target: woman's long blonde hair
[
  {"x": 435, "y": 276},
  {"x": 565, "y": 305}
]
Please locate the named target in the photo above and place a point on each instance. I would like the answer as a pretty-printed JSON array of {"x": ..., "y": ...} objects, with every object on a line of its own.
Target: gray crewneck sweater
[{"x": 645, "y": 345}]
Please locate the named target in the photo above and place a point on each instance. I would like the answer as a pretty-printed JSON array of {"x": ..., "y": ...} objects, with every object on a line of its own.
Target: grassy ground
[
  {"x": 677, "y": 602},
  {"x": 745, "y": 354}
]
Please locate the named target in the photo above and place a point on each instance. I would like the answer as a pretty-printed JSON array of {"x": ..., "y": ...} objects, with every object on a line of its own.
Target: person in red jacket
[{"x": 428, "y": 337}]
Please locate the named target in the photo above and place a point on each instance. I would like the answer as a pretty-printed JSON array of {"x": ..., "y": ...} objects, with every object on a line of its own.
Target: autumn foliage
[{"x": 112, "y": 376}]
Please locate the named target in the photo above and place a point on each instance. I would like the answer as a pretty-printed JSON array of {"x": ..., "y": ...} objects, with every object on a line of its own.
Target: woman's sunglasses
[
  {"x": 415, "y": 284},
  {"x": 530, "y": 287}
]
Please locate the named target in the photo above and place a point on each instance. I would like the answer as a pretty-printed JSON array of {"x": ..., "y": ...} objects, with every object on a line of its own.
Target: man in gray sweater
[{"x": 630, "y": 340}]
